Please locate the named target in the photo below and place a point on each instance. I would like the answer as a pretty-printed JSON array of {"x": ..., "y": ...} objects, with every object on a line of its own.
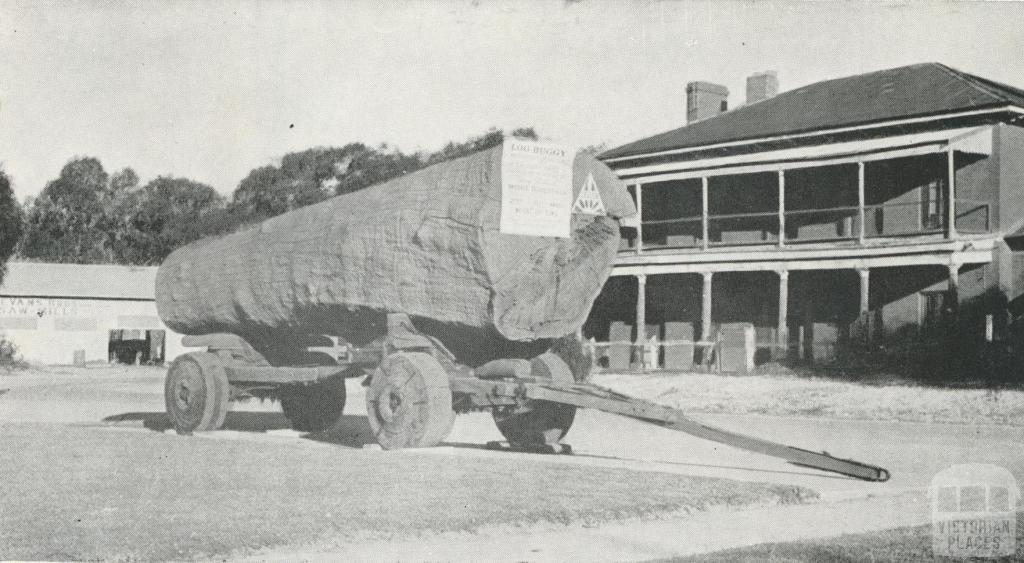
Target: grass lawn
[
  {"x": 73, "y": 492},
  {"x": 901, "y": 544}
]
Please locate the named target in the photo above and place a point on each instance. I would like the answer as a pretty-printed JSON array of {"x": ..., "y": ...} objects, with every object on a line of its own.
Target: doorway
[{"x": 136, "y": 346}]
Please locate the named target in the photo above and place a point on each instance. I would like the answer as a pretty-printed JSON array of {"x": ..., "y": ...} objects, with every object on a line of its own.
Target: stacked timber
[{"x": 429, "y": 244}]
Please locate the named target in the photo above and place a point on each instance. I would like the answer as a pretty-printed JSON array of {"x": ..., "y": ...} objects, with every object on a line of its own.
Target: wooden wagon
[{"x": 415, "y": 387}]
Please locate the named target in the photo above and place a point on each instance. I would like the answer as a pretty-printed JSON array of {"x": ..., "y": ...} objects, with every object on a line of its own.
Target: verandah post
[
  {"x": 639, "y": 219},
  {"x": 782, "y": 208},
  {"x": 641, "y": 318},
  {"x": 950, "y": 194},
  {"x": 860, "y": 203},
  {"x": 704, "y": 212},
  {"x": 782, "y": 336}
]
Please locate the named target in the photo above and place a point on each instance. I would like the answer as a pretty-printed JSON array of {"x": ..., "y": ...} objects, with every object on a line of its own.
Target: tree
[
  {"x": 87, "y": 216},
  {"x": 11, "y": 223},
  {"x": 124, "y": 181},
  {"x": 367, "y": 167},
  {"x": 163, "y": 215},
  {"x": 492, "y": 137},
  {"x": 66, "y": 222},
  {"x": 312, "y": 175},
  {"x": 82, "y": 183}
]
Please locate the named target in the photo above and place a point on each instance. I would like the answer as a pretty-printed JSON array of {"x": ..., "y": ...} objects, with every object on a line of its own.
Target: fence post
[
  {"x": 651, "y": 353},
  {"x": 718, "y": 352}
]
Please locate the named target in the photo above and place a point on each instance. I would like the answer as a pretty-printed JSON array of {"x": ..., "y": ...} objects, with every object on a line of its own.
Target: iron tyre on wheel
[
  {"x": 316, "y": 407},
  {"x": 409, "y": 402},
  {"x": 539, "y": 423},
  {"x": 196, "y": 393}
]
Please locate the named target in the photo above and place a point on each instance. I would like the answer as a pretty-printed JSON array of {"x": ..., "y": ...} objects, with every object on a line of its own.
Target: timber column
[
  {"x": 865, "y": 284},
  {"x": 638, "y": 190},
  {"x": 950, "y": 194},
  {"x": 953, "y": 290},
  {"x": 863, "y": 323},
  {"x": 861, "y": 215},
  {"x": 705, "y": 317},
  {"x": 641, "y": 319},
  {"x": 705, "y": 307},
  {"x": 782, "y": 208},
  {"x": 782, "y": 332}
]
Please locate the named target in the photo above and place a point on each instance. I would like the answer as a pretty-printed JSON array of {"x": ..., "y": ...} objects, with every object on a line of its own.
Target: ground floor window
[
  {"x": 136, "y": 346},
  {"x": 934, "y": 303}
]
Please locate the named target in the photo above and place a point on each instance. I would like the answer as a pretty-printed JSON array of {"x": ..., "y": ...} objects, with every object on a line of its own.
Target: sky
[{"x": 211, "y": 90}]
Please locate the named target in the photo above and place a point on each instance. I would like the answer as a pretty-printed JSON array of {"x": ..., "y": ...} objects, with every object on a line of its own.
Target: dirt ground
[
  {"x": 95, "y": 475},
  {"x": 780, "y": 395},
  {"x": 904, "y": 544}
]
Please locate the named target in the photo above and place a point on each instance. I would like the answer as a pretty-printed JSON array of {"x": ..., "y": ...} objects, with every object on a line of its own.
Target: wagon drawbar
[{"x": 415, "y": 387}]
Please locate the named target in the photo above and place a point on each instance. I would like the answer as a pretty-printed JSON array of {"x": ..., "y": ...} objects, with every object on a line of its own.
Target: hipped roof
[{"x": 899, "y": 93}]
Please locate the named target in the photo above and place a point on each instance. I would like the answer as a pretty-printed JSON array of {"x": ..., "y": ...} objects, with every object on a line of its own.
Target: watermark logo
[{"x": 974, "y": 511}]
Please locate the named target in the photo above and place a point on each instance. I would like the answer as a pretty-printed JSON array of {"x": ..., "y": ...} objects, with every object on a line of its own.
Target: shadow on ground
[
  {"x": 351, "y": 430},
  {"x": 354, "y": 431},
  {"x": 795, "y": 471}
]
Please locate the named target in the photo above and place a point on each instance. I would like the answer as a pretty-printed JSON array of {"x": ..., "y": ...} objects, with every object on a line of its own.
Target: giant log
[{"x": 428, "y": 244}]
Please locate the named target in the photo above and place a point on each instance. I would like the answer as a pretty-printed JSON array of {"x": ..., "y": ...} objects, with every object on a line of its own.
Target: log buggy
[
  {"x": 451, "y": 290},
  {"x": 415, "y": 387}
]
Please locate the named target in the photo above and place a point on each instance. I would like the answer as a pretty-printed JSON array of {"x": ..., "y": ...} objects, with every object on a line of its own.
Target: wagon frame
[{"x": 415, "y": 386}]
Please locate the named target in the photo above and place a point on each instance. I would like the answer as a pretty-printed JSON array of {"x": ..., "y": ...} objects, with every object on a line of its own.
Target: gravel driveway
[
  {"x": 633, "y": 481},
  {"x": 92, "y": 474}
]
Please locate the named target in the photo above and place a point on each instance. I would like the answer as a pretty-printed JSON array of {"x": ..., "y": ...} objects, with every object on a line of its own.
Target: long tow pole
[{"x": 594, "y": 397}]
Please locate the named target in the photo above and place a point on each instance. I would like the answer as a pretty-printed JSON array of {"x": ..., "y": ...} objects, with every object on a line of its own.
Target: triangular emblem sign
[{"x": 589, "y": 201}]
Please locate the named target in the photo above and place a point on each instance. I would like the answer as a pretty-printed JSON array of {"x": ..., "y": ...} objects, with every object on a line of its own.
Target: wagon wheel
[
  {"x": 316, "y": 407},
  {"x": 196, "y": 393},
  {"x": 539, "y": 423},
  {"x": 409, "y": 402}
]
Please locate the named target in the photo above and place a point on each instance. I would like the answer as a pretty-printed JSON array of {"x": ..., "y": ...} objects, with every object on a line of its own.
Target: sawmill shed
[{"x": 78, "y": 314}]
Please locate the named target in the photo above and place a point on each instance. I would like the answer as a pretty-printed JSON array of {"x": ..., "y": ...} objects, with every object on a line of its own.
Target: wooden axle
[{"x": 280, "y": 375}]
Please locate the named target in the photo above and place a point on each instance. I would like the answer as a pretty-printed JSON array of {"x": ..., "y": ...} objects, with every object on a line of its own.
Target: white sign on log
[{"x": 536, "y": 189}]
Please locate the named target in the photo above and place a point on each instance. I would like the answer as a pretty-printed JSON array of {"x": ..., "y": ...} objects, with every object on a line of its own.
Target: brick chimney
[
  {"x": 704, "y": 100},
  {"x": 761, "y": 86}
]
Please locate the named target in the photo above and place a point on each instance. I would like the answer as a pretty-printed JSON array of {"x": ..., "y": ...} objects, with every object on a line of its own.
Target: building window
[
  {"x": 932, "y": 196},
  {"x": 934, "y": 303}
]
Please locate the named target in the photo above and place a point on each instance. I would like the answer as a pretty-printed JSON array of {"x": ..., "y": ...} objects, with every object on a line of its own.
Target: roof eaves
[
  {"x": 809, "y": 132},
  {"x": 973, "y": 82}
]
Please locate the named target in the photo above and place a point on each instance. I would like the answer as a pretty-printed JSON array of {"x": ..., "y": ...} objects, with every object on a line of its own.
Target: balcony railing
[{"x": 886, "y": 220}]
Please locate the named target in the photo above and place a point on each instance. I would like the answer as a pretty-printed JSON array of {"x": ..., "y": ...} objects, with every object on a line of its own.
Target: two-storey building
[{"x": 881, "y": 202}]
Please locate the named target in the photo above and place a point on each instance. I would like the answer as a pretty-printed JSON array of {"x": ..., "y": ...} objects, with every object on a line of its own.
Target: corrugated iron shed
[{"x": 86, "y": 281}]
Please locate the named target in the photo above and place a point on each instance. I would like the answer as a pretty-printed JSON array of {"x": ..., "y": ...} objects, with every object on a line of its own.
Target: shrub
[{"x": 9, "y": 357}]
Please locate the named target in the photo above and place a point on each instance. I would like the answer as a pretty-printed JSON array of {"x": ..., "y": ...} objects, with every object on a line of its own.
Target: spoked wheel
[
  {"x": 316, "y": 407},
  {"x": 409, "y": 402},
  {"x": 196, "y": 393},
  {"x": 539, "y": 423}
]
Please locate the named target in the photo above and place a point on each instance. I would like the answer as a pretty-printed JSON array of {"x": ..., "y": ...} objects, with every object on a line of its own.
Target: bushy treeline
[
  {"x": 11, "y": 222},
  {"x": 88, "y": 215}
]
